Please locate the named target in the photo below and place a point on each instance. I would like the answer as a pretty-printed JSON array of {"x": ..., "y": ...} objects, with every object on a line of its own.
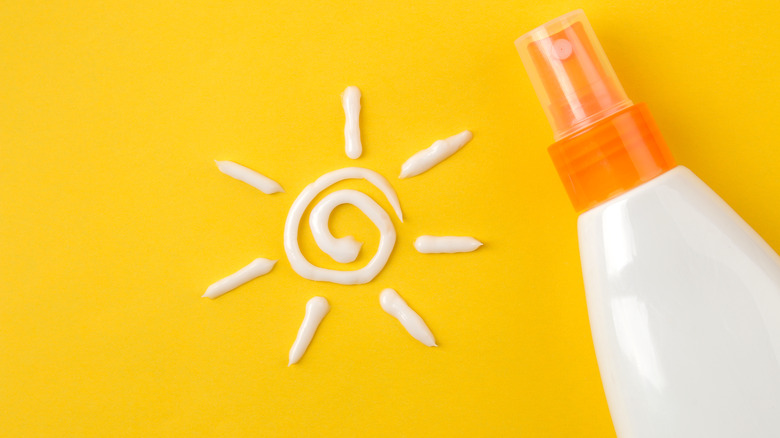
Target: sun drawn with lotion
[{"x": 346, "y": 249}]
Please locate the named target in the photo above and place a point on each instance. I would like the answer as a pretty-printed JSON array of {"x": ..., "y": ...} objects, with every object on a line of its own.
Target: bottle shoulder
[
  {"x": 674, "y": 180},
  {"x": 675, "y": 218}
]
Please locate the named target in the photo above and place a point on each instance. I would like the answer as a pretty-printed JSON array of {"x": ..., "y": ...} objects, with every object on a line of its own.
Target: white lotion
[
  {"x": 344, "y": 249},
  {"x": 439, "y": 151},
  {"x": 350, "y": 100},
  {"x": 249, "y": 176},
  {"x": 446, "y": 244},
  {"x": 316, "y": 309},
  {"x": 393, "y": 304},
  {"x": 249, "y": 272},
  {"x": 302, "y": 266}
]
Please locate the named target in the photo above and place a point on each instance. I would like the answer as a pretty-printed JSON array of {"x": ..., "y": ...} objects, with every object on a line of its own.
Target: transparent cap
[{"x": 571, "y": 74}]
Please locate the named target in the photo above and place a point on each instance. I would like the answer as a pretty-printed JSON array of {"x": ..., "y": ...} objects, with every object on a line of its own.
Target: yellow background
[{"x": 114, "y": 219}]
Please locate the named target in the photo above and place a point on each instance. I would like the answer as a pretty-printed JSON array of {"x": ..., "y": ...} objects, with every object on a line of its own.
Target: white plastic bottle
[{"x": 683, "y": 296}]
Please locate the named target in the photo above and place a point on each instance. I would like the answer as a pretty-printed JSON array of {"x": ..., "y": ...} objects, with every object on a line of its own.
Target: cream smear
[
  {"x": 249, "y": 272},
  {"x": 345, "y": 248},
  {"x": 439, "y": 151},
  {"x": 316, "y": 309},
  {"x": 350, "y": 100},
  {"x": 446, "y": 244},
  {"x": 393, "y": 304},
  {"x": 249, "y": 176}
]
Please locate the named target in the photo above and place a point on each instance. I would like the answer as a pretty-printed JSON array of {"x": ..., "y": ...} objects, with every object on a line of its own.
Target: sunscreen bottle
[{"x": 683, "y": 296}]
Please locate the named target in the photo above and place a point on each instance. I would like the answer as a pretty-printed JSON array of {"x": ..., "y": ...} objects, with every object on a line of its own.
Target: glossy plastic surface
[
  {"x": 571, "y": 74},
  {"x": 611, "y": 156},
  {"x": 684, "y": 304}
]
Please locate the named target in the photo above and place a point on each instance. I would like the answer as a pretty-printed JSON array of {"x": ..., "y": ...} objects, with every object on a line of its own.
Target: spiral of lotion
[{"x": 345, "y": 249}]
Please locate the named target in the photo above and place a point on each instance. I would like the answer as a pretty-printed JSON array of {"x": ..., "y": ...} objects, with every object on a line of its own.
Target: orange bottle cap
[
  {"x": 611, "y": 157},
  {"x": 605, "y": 144}
]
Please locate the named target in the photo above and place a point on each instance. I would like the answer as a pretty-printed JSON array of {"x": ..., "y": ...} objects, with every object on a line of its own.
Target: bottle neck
[{"x": 611, "y": 156}]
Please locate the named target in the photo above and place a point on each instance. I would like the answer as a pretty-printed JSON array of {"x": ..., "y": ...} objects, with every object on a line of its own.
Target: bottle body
[{"x": 684, "y": 305}]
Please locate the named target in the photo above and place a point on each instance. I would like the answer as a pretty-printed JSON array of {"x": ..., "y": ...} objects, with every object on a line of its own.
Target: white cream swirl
[{"x": 345, "y": 249}]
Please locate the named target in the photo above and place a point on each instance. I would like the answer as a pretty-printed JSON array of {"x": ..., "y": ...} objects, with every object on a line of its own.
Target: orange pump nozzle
[
  {"x": 605, "y": 145},
  {"x": 570, "y": 73}
]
